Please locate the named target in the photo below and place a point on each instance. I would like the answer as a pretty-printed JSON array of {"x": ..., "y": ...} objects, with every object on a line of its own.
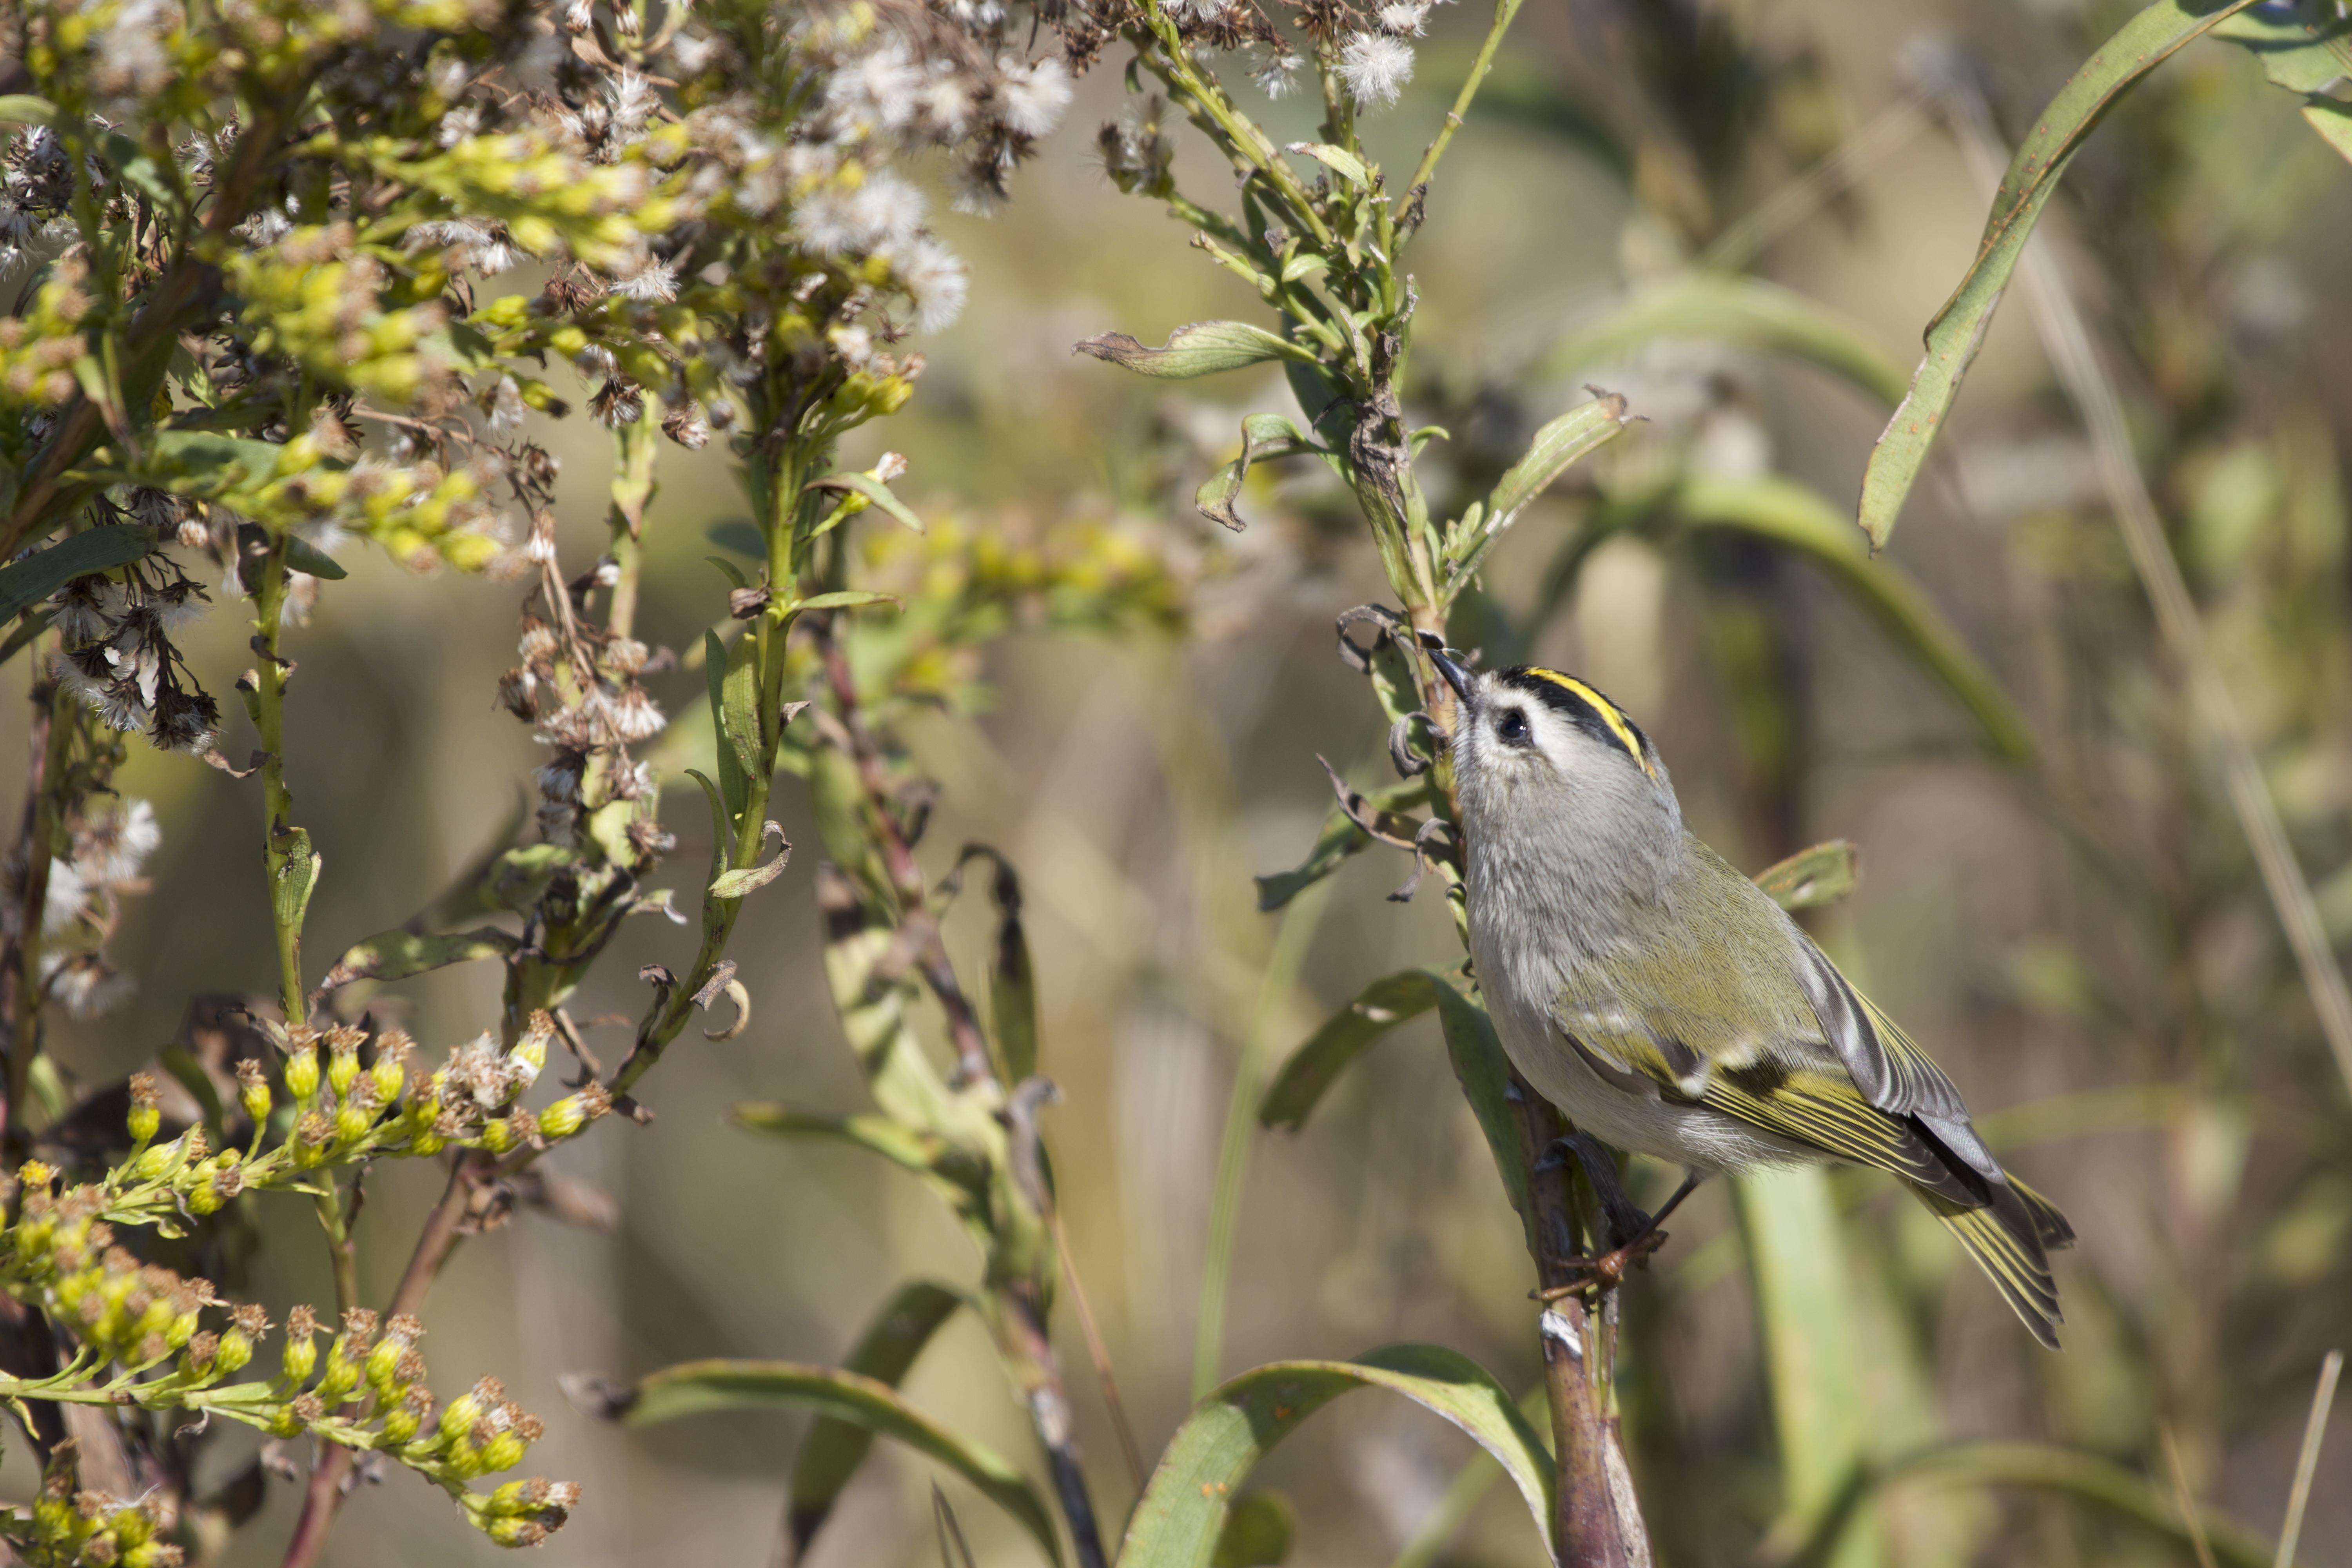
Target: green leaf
[
  {"x": 1483, "y": 1073},
  {"x": 1012, "y": 984},
  {"x": 1258, "y": 1531},
  {"x": 1182, "y": 1513},
  {"x": 1313, "y": 1067},
  {"x": 833, "y": 1449},
  {"x": 1812, "y": 878},
  {"x": 398, "y": 955},
  {"x": 1263, "y": 436},
  {"x": 721, "y": 849},
  {"x": 1797, "y": 1269},
  {"x": 847, "y": 599},
  {"x": 1557, "y": 446},
  {"x": 2305, "y": 47},
  {"x": 694, "y": 1388},
  {"x": 2145, "y": 42},
  {"x": 734, "y": 776},
  {"x": 24, "y": 109},
  {"x": 1339, "y": 838},
  {"x": 2333, "y": 121},
  {"x": 1202, "y": 348},
  {"x": 205, "y": 462},
  {"x": 1789, "y": 514},
  {"x": 745, "y": 879},
  {"x": 24, "y": 584},
  {"x": 1745, "y": 311},
  {"x": 1338, "y": 160},
  {"x": 298, "y": 874},
  {"x": 22, "y": 637},
  {"x": 902, "y": 1146},
  {"x": 304, "y": 556},
  {"x": 874, "y": 490},
  {"x": 142, "y": 172}
]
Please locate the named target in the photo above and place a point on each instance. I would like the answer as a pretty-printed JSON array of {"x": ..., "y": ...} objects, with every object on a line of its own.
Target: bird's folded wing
[{"x": 1797, "y": 1088}]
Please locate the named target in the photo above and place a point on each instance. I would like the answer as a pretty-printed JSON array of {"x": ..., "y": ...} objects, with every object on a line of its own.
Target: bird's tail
[{"x": 2009, "y": 1238}]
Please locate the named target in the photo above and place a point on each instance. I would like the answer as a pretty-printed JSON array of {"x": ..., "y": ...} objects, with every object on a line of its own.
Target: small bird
[{"x": 1667, "y": 1005}]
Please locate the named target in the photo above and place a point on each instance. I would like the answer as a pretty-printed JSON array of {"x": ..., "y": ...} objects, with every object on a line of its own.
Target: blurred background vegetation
[{"x": 2066, "y": 914}]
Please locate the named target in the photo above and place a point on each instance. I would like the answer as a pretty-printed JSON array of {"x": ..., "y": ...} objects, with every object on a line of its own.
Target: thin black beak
[{"x": 1455, "y": 677}]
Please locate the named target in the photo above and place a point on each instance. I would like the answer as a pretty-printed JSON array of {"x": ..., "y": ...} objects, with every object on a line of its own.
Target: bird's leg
[{"x": 1633, "y": 1235}]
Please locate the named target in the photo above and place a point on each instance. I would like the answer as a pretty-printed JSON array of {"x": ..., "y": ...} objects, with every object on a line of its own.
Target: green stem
[
  {"x": 286, "y": 854},
  {"x": 341, "y": 1254},
  {"x": 1172, "y": 63},
  {"x": 1505, "y": 11},
  {"x": 1292, "y": 937}
]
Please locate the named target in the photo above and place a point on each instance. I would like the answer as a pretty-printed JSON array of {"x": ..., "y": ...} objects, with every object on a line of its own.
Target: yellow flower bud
[{"x": 302, "y": 1073}]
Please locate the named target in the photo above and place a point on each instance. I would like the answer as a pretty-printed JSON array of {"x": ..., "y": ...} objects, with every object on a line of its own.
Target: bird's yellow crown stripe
[{"x": 1610, "y": 714}]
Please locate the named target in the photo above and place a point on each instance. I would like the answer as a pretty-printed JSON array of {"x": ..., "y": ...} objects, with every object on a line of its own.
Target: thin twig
[
  {"x": 2067, "y": 340},
  {"x": 2307, "y": 1462},
  {"x": 1505, "y": 10},
  {"x": 1100, "y": 1352},
  {"x": 2191, "y": 1517}
]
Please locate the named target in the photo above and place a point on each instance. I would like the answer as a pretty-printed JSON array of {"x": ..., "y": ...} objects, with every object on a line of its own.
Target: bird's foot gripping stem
[{"x": 1636, "y": 1235}]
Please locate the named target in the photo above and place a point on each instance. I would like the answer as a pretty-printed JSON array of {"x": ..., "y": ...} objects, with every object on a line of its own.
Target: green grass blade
[
  {"x": 700, "y": 1387},
  {"x": 834, "y": 1448},
  {"x": 1745, "y": 311},
  {"x": 1314, "y": 1066},
  {"x": 1796, "y": 1262},
  {"x": 2141, "y": 44},
  {"x": 1178, "y": 1522}
]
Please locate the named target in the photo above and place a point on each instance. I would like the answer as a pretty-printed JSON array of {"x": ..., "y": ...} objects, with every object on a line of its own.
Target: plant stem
[
  {"x": 1505, "y": 11},
  {"x": 325, "y": 1495},
  {"x": 1292, "y": 937},
  {"x": 285, "y": 850}
]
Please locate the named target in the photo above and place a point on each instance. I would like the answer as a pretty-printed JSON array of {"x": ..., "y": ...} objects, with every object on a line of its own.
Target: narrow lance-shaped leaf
[
  {"x": 1339, "y": 838},
  {"x": 1263, "y": 436},
  {"x": 1556, "y": 447},
  {"x": 902, "y": 1146},
  {"x": 24, "y": 584},
  {"x": 1012, "y": 983},
  {"x": 1202, "y": 348},
  {"x": 2145, "y": 42},
  {"x": 1484, "y": 1072},
  {"x": 1313, "y": 1067},
  {"x": 1745, "y": 311},
  {"x": 1812, "y": 878},
  {"x": 734, "y": 785},
  {"x": 398, "y": 955},
  {"x": 1181, "y": 1515},
  {"x": 874, "y": 491},
  {"x": 1797, "y": 1268},
  {"x": 833, "y": 1449},
  {"x": 694, "y": 1388},
  {"x": 1338, "y": 160}
]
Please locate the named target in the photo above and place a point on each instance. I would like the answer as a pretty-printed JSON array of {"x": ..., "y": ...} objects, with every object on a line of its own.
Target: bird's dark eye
[{"x": 1513, "y": 728}]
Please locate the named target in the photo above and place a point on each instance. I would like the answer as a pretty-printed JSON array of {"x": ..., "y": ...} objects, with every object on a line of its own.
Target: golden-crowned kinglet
[{"x": 1668, "y": 1006}]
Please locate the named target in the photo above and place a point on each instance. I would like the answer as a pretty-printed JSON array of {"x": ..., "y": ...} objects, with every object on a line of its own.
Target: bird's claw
[{"x": 1605, "y": 1272}]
